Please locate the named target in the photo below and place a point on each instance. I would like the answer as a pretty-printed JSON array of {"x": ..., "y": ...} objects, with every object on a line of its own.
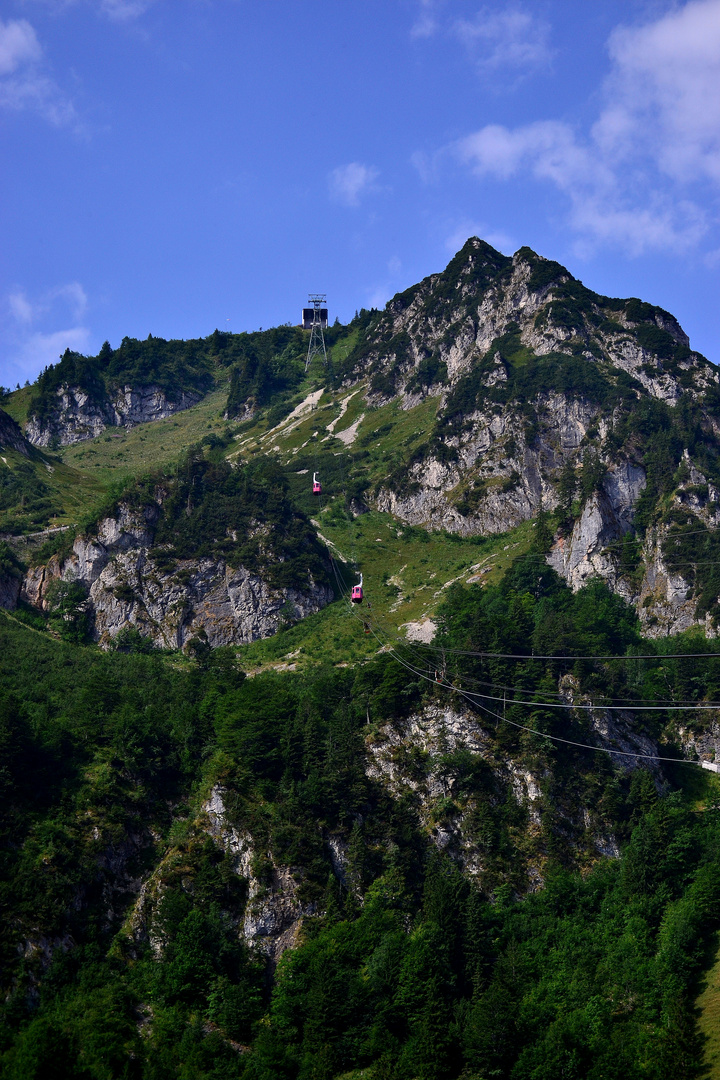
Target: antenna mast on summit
[{"x": 314, "y": 319}]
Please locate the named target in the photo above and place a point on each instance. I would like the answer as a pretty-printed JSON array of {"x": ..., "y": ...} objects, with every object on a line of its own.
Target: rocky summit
[{"x": 464, "y": 826}]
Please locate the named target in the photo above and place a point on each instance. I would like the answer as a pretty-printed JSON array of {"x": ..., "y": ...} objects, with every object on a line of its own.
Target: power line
[{"x": 522, "y": 727}]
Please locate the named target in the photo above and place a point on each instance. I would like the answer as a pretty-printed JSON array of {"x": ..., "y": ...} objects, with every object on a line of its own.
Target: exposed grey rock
[
  {"x": 705, "y": 743},
  {"x": 77, "y": 416},
  {"x": 11, "y": 437},
  {"x": 203, "y": 598},
  {"x": 494, "y": 467},
  {"x": 273, "y": 914},
  {"x": 519, "y": 477},
  {"x": 10, "y": 586},
  {"x": 410, "y": 758},
  {"x": 491, "y": 294},
  {"x": 613, "y": 730},
  {"x": 270, "y": 919}
]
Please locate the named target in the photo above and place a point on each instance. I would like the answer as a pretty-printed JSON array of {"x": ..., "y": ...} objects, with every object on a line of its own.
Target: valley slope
[{"x": 462, "y": 830}]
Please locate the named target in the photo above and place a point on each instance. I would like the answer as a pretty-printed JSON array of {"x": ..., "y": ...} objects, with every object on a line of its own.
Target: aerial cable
[
  {"x": 629, "y": 705},
  {"x": 667, "y": 536},
  {"x": 542, "y": 734},
  {"x": 621, "y": 703},
  {"x": 523, "y": 727},
  {"x": 542, "y": 656}
]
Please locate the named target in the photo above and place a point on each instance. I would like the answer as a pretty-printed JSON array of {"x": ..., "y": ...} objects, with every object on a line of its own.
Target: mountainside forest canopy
[{"x": 405, "y": 967}]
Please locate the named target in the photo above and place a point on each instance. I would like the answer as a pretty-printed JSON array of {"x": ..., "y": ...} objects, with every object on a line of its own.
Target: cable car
[
  {"x": 356, "y": 595},
  {"x": 317, "y": 486}
]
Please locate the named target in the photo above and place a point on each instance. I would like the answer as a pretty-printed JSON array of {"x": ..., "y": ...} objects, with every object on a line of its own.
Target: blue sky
[{"x": 170, "y": 166}]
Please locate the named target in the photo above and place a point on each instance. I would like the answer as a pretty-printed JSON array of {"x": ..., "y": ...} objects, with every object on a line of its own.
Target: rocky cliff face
[
  {"x": 129, "y": 585},
  {"x": 269, "y": 914},
  {"x": 422, "y": 759},
  {"x": 78, "y": 416},
  {"x": 10, "y": 585},
  {"x": 11, "y": 437},
  {"x": 550, "y": 398},
  {"x": 451, "y": 321}
]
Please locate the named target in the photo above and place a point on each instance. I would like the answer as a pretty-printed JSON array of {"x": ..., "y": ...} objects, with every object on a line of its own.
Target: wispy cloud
[
  {"x": 427, "y": 23},
  {"x": 124, "y": 10},
  {"x": 637, "y": 178},
  {"x": 514, "y": 38},
  {"x": 31, "y": 340},
  {"x": 40, "y": 350},
  {"x": 350, "y": 183},
  {"x": 117, "y": 10},
  {"x": 18, "y": 45},
  {"x": 71, "y": 296},
  {"x": 663, "y": 93},
  {"x": 24, "y": 82}
]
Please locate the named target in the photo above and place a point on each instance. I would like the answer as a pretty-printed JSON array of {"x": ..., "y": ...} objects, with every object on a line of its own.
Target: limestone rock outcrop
[
  {"x": 536, "y": 380},
  {"x": 129, "y": 585},
  {"x": 421, "y": 760},
  {"x": 78, "y": 416},
  {"x": 271, "y": 915}
]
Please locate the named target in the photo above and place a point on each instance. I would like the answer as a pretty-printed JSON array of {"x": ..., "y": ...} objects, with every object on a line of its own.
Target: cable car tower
[{"x": 314, "y": 319}]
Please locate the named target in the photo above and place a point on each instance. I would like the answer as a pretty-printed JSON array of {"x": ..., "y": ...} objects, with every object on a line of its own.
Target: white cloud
[
  {"x": 637, "y": 179},
  {"x": 18, "y": 45},
  {"x": 23, "y": 82},
  {"x": 40, "y": 350},
  {"x": 427, "y": 23},
  {"x": 510, "y": 38},
  {"x": 20, "y": 308},
  {"x": 72, "y": 296},
  {"x": 123, "y": 10},
  {"x": 664, "y": 92},
  {"x": 348, "y": 183},
  {"x": 31, "y": 340}
]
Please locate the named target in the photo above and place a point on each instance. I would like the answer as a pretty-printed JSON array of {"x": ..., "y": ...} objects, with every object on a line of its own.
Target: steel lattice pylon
[{"x": 316, "y": 346}]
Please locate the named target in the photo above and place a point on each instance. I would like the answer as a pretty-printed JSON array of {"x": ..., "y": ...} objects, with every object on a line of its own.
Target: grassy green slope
[
  {"x": 354, "y": 448},
  {"x": 708, "y": 1013},
  {"x": 120, "y": 452}
]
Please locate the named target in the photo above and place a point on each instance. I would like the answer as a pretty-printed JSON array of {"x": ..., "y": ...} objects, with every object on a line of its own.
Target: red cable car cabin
[
  {"x": 357, "y": 594},
  {"x": 317, "y": 486}
]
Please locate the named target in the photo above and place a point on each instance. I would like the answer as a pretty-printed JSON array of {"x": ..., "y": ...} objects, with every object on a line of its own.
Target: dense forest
[{"x": 405, "y": 964}]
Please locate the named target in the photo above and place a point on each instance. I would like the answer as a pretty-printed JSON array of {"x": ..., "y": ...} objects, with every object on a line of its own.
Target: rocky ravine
[
  {"x": 203, "y": 598},
  {"x": 77, "y": 416},
  {"x": 271, "y": 917}
]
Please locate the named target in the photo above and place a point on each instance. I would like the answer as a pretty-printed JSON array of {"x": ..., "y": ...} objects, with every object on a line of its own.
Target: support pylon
[{"x": 316, "y": 347}]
